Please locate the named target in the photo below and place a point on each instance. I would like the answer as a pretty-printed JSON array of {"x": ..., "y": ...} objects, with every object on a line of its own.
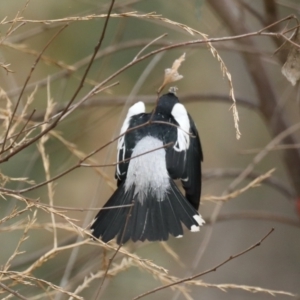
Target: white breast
[{"x": 148, "y": 173}]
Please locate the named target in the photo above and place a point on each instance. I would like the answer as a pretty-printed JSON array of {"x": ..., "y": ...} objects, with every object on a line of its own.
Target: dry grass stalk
[
  {"x": 46, "y": 59},
  {"x": 46, "y": 161},
  {"x": 156, "y": 17},
  {"x": 81, "y": 155},
  {"x": 31, "y": 280},
  {"x": 256, "y": 182},
  {"x": 21, "y": 118},
  {"x": 251, "y": 289},
  {"x": 14, "y": 213},
  {"x": 24, "y": 237},
  {"x": 5, "y": 113},
  {"x": 124, "y": 265},
  {"x": 172, "y": 253}
]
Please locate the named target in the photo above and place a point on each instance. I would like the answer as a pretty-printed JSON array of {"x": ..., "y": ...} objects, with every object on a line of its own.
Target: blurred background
[{"x": 267, "y": 103}]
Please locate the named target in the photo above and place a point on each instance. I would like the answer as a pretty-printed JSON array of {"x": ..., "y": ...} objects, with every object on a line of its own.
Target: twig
[
  {"x": 95, "y": 90},
  {"x": 32, "y": 256},
  {"x": 31, "y": 279},
  {"x": 72, "y": 107},
  {"x": 21, "y": 131},
  {"x": 274, "y": 182},
  {"x": 207, "y": 271},
  {"x": 81, "y": 63},
  {"x": 128, "y": 159},
  {"x": 257, "y": 215},
  {"x": 149, "y": 44},
  {"x": 26, "y": 81},
  {"x": 278, "y": 147},
  {"x": 275, "y": 141},
  {"x": 46, "y": 164},
  {"x": 148, "y": 99},
  {"x": 224, "y": 287},
  {"x": 15, "y": 293},
  {"x": 236, "y": 193}
]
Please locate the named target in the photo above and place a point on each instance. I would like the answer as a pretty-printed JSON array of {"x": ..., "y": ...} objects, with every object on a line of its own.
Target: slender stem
[
  {"x": 207, "y": 271},
  {"x": 25, "y": 84},
  {"x": 20, "y": 132},
  {"x": 95, "y": 90},
  {"x": 15, "y": 293}
]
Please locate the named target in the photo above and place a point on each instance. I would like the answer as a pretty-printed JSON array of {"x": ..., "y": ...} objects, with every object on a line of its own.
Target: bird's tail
[{"x": 149, "y": 219}]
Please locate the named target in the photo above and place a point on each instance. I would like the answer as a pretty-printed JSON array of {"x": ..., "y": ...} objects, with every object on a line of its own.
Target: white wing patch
[
  {"x": 135, "y": 109},
  {"x": 195, "y": 228},
  {"x": 181, "y": 116},
  {"x": 200, "y": 221}
]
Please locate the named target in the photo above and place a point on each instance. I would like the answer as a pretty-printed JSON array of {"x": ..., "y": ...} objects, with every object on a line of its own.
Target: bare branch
[
  {"x": 15, "y": 293},
  {"x": 26, "y": 81},
  {"x": 207, "y": 271},
  {"x": 257, "y": 215}
]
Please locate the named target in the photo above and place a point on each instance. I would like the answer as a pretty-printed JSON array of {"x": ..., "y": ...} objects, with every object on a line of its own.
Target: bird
[{"x": 154, "y": 150}]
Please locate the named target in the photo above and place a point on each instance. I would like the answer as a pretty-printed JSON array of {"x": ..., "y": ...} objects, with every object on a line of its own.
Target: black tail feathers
[{"x": 151, "y": 219}]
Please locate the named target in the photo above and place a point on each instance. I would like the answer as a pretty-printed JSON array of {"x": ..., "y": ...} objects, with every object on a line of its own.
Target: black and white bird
[{"x": 146, "y": 177}]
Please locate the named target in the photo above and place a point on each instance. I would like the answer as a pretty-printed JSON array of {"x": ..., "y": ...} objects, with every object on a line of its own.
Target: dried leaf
[
  {"x": 172, "y": 75},
  {"x": 291, "y": 68}
]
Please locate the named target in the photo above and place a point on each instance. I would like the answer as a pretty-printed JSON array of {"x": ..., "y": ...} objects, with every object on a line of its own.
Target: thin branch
[
  {"x": 120, "y": 47},
  {"x": 20, "y": 132},
  {"x": 32, "y": 256},
  {"x": 83, "y": 62},
  {"x": 26, "y": 81},
  {"x": 256, "y": 215},
  {"x": 80, "y": 209},
  {"x": 127, "y": 159},
  {"x": 277, "y": 148},
  {"x": 234, "y": 194},
  {"x": 15, "y": 293},
  {"x": 273, "y": 182},
  {"x": 95, "y": 90},
  {"x": 207, "y": 271},
  {"x": 71, "y": 108},
  {"x": 149, "y": 44},
  {"x": 149, "y": 99}
]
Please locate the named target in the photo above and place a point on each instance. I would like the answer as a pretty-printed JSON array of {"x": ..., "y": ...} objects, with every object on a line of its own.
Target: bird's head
[{"x": 167, "y": 101}]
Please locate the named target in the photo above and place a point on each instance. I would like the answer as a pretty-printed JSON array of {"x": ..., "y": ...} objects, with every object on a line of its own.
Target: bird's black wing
[
  {"x": 127, "y": 142},
  {"x": 176, "y": 160},
  {"x": 186, "y": 164},
  {"x": 191, "y": 180}
]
